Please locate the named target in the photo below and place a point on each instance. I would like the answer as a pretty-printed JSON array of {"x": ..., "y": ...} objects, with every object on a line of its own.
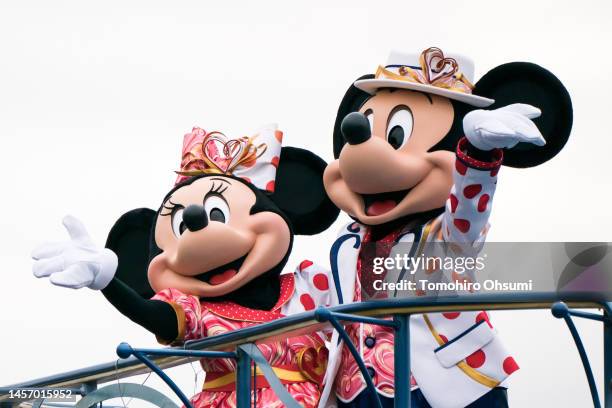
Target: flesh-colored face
[
  {"x": 392, "y": 174},
  {"x": 222, "y": 256}
]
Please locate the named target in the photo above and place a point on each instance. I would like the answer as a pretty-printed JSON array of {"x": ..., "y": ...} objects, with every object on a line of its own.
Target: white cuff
[
  {"x": 108, "y": 263},
  {"x": 471, "y": 340}
]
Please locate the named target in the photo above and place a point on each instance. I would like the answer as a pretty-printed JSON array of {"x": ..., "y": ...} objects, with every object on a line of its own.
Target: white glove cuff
[
  {"x": 473, "y": 135},
  {"x": 106, "y": 272}
]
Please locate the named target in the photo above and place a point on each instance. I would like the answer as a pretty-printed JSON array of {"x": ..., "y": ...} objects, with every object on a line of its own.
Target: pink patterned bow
[{"x": 254, "y": 158}]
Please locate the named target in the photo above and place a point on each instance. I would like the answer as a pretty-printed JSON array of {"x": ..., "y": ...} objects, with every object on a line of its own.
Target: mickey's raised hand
[
  {"x": 503, "y": 127},
  {"x": 75, "y": 263}
]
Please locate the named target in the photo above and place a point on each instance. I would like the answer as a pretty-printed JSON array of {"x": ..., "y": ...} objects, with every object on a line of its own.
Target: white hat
[{"x": 432, "y": 72}]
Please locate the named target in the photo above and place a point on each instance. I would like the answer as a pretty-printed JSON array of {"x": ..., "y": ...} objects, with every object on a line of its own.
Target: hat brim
[{"x": 372, "y": 85}]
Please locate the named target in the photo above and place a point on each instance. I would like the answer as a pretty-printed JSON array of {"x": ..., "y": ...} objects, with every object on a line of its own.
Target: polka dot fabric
[
  {"x": 313, "y": 285},
  {"x": 478, "y": 361},
  {"x": 263, "y": 173},
  {"x": 490, "y": 359},
  {"x": 469, "y": 202}
]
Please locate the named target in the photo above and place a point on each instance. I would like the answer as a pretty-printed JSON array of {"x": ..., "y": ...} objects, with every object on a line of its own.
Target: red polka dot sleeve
[
  {"x": 469, "y": 204},
  {"x": 313, "y": 288}
]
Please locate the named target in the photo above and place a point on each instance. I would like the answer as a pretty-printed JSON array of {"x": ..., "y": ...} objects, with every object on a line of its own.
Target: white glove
[
  {"x": 503, "y": 127},
  {"x": 75, "y": 263}
]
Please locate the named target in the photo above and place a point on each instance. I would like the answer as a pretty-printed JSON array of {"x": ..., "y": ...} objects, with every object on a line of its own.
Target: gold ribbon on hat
[{"x": 436, "y": 70}]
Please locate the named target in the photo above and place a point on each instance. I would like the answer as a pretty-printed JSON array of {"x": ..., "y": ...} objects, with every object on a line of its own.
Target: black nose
[
  {"x": 194, "y": 217},
  {"x": 355, "y": 128}
]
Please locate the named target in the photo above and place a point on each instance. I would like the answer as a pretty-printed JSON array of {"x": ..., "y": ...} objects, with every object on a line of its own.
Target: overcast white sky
[{"x": 95, "y": 98}]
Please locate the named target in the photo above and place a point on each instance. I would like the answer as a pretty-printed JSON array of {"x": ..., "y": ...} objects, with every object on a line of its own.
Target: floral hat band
[
  {"x": 435, "y": 69},
  {"x": 254, "y": 159},
  {"x": 431, "y": 71}
]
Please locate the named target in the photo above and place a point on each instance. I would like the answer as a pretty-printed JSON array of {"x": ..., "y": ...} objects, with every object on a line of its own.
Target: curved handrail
[
  {"x": 561, "y": 311},
  {"x": 129, "y": 390},
  {"x": 294, "y": 324}
]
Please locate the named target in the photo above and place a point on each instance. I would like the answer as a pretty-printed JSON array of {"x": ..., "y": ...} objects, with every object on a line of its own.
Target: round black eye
[
  {"x": 217, "y": 209},
  {"x": 396, "y": 137},
  {"x": 399, "y": 127},
  {"x": 178, "y": 225},
  {"x": 216, "y": 215}
]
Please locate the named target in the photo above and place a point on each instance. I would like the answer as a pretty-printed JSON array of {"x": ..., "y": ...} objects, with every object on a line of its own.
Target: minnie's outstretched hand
[
  {"x": 75, "y": 263},
  {"x": 503, "y": 127}
]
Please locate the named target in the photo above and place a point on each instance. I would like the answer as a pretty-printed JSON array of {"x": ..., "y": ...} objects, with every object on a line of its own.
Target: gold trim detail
[
  {"x": 234, "y": 153},
  {"x": 462, "y": 365},
  {"x": 181, "y": 322},
  {"x": 283, "y": 374},
  {"x": 319, "y": 371},
  {"x": 435, "y": 70},
  {"x": 424, "y": 236}
]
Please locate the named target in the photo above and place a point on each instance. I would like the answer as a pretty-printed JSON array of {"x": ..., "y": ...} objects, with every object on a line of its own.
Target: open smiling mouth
[
  {"x": 222, "y": 273},
  {"x": 381, "y": 203}
]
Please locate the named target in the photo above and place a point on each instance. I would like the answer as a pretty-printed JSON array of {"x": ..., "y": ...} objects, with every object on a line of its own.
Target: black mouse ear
[
  {"x": 130, "y": 239},
  {"x": 300, "y": 194},
  {"x": 352, "y": 101},
  {"x": 524, "y": 82}
]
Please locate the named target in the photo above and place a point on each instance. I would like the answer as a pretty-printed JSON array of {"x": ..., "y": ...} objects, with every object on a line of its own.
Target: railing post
[
  {"x": 89, "y": 387},
  {"x": 607, "y": 343},
  {"x": 402, "y": 361},
  {"x": 243, "y": 379}
]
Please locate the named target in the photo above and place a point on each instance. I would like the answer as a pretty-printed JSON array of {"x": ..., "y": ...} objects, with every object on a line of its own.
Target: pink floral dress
[{"x": 299, "y": 361}]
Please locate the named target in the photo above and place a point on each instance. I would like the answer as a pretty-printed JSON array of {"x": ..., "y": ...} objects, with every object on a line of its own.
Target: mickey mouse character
[
  {"x": 417, "y": 163},
  {"x": 210, "y": 259}
]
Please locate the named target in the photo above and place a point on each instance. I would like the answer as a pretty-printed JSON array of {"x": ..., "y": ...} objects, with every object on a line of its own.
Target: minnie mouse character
[
  {"x": 210, "y": 259},
  {"x": 417, "y": 164}
]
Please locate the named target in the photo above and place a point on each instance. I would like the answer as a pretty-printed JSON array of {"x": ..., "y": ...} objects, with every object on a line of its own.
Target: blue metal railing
[
  {"x": 561, "y": 311},
  {"x": 136, "y": 361}
]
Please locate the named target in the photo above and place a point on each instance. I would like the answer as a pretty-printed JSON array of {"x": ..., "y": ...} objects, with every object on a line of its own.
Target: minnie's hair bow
[{"x": 252, "y": 158}]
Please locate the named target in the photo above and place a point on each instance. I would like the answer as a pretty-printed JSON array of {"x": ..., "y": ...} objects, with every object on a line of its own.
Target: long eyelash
[
  {"x": 171, "y": 208},
  {"x": 218, "y": 189},
  {"x": 214, "y": 189}
]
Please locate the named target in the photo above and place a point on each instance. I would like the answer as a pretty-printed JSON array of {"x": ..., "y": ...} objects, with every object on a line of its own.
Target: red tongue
[
  {"x": 380, "y": 207},
  {"x": 222, "y": 277}
]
